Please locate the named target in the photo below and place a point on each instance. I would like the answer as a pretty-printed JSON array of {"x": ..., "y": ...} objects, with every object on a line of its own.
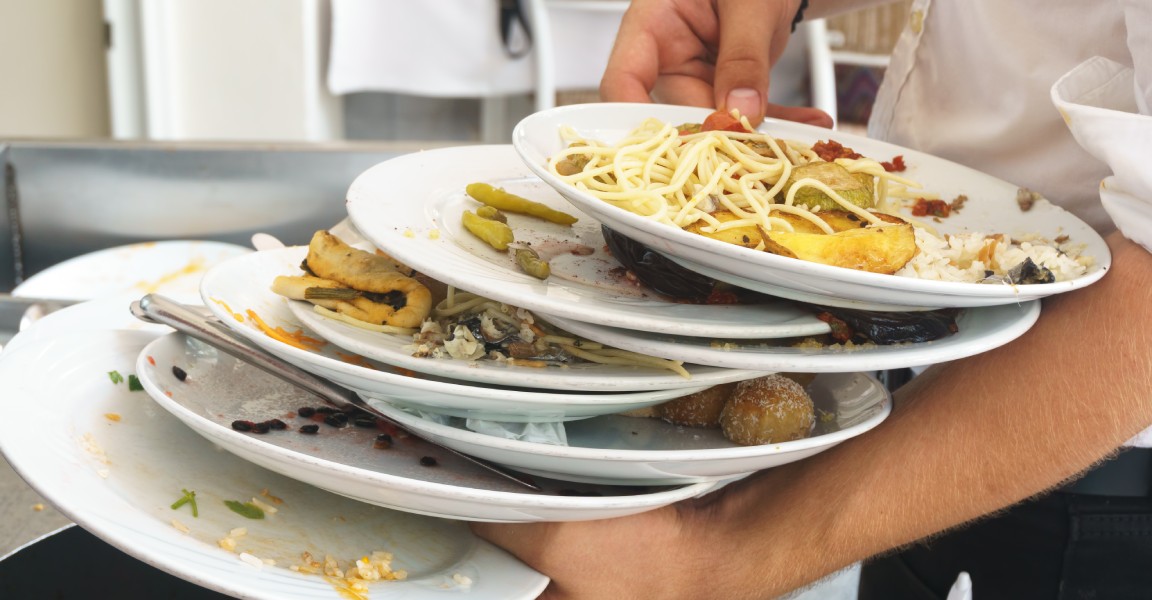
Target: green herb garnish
[
  {"x": 188, "y": 498},
  {"x": 245, "y": 509},
  {"x": 134, "y": 384},
  {"x": 115, "y": 376}
]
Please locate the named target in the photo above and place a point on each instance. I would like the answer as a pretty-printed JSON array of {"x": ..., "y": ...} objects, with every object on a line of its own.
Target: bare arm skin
[
  {"x": 967, "y": 438},
  {"x": 710, "y": 53}
]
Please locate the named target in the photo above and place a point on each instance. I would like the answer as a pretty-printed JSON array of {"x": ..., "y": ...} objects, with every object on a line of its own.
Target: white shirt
[{"x": 1055, "y": 97}]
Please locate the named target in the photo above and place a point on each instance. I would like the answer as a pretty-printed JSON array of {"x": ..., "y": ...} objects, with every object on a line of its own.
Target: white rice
[{"x": 974, "y": 257}]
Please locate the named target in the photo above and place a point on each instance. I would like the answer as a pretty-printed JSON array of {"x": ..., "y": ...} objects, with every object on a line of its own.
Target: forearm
[{"x": 967, "y": 439}]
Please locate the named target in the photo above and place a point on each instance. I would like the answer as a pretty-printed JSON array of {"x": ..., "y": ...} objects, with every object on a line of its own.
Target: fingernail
[{"x": 745, "y": 100}]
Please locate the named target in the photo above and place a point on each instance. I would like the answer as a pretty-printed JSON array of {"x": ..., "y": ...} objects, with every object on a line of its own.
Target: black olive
[
  {"x": 656, "y": 271},
  {"x": 896, "y": 327}
]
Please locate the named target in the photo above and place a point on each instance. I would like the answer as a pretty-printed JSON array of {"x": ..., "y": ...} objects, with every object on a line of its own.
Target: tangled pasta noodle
[{"x": 681, "y": 178}]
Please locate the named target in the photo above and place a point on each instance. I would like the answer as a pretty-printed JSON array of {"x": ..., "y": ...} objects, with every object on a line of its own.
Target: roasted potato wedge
[{"x": 881, "y": 249}]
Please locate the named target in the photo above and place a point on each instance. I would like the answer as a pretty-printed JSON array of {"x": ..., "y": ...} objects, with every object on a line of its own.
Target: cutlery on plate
[{"x": 191, "y": 321}]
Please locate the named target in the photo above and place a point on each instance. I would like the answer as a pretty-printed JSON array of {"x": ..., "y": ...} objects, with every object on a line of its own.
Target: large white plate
[
  {"x": 111, "y": 460},
  {"x": 101, "y": 314},
  {"x": 411, "y": 205},
  {"x": 173, "y": 268},
  {"x": 980, "y": 330},
  {"x": 618, "y": 449},
  {"x": 219, "y": 389},
  {"x": 243, "y": 284},
  {"x": 991, "y": 208}
]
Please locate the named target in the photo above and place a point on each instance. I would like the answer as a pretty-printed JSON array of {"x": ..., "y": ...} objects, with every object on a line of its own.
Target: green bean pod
[
  {"x": 499, "y": 199},
  {"x": 494, "y": 233}
]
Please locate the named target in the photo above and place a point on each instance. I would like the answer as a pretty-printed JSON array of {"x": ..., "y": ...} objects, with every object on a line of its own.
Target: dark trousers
[{"x": 1068, "y": 545}]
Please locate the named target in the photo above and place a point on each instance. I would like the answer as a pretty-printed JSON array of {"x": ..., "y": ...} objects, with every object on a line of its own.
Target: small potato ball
[
  {"x": 768, "y": 410},
  {"x": 701, "y": 409}
]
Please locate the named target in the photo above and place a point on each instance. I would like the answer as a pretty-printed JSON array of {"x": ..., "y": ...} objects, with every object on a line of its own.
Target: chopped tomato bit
[
  {"x": 895, "y": 165},
  {"x": 831, "y": 150},
  {"x": 722, "y": 121},
  {"x": 933, "y": 208}
]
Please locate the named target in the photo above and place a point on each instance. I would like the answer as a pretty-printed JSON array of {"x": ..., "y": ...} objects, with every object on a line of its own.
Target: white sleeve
[{"x": 1105, "y": 105}]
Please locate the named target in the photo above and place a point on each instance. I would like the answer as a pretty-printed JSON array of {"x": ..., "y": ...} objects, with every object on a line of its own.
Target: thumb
[{"x": 753, "y": 34}]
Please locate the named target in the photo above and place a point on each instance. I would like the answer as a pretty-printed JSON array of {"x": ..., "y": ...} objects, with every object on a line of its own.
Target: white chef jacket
[{"x": 1055, "y": 97}]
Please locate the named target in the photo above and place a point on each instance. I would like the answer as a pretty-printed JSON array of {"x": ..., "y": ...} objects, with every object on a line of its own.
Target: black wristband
[{"x": 799, "y": 14}]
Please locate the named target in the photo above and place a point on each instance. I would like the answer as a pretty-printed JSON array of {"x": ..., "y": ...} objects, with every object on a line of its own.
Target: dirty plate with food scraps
[
  {"x": 618, "y": 449},
  {"x": 243, "y": 284},
  {"x": 173, "y": 268},
  {"x": 110, "y": 459},
  {"x": 213, "y": 390},
  {"x": 991, "y": 207},
  {"x": 576, "y": 376},
  {"x": 979, "y": 330},
  {"x": 411, "y": 207}
]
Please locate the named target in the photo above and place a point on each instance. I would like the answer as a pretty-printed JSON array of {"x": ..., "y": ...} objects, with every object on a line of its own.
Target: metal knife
[{"x": 155, "y": 308}]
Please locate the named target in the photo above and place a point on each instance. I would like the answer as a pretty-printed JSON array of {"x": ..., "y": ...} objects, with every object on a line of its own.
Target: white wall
[{"x": 52, "y": 73}]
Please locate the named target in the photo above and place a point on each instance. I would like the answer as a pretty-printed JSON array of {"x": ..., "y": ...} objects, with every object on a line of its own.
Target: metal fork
[{"x": 199, "y": 324}]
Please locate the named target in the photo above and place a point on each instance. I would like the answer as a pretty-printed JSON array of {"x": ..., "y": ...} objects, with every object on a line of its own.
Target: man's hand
[{"x": 710, "y": 53}]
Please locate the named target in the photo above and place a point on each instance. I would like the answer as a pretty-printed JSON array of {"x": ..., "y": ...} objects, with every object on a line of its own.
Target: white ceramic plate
[
  {"x": 219, "y": 389},
  {"x": 991, "y": 208},
  {"x": 114, "y": 462},
  {"x": 980, "y": 330},
  {"x": 626, "y": 450},
  {"x": 102, "y": 314},
  {"x": 173, "y": 268},
  {"x": 243, "y": 284},
  {"x": 585, "y": 377},
  {"x": 410, "y": 206}
]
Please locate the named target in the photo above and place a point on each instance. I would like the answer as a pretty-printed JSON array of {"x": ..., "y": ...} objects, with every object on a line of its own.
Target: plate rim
[
  {"x": 894, "y": 359},
  {"x": 884, "y": 401}
]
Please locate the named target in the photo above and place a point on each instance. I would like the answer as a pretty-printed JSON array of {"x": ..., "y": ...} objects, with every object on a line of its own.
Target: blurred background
[{"x": 329, "y": 70}]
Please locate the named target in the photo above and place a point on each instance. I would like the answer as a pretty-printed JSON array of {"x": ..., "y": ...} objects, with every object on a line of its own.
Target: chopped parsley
[
  {"x": 188, "y": 498},
  {"x": 245, "y": 509},
  {"x": 134, "y": 384}
]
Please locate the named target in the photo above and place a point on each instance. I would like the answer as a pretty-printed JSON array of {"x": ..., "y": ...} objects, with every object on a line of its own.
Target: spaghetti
[{"x": 682, "y": 177}]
